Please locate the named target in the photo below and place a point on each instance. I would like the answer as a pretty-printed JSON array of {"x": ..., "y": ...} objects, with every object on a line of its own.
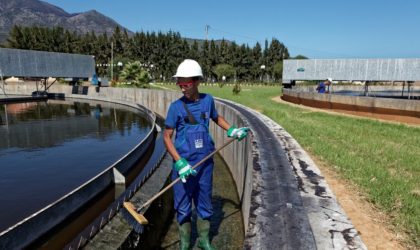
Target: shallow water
[
  {"x": 226, "y": 227},
  {"x": 382, "y": 94}
]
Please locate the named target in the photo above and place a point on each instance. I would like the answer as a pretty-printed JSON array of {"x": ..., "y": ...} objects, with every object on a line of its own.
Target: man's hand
[
  {"x": 238, "y": 133},
  {"x": 184, "y": 169}
]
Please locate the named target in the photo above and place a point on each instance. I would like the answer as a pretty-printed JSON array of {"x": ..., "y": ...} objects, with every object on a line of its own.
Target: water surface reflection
[{"x": 49, "y": 148}]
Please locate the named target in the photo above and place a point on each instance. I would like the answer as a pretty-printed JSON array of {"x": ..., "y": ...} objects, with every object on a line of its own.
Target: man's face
[{"x": 188, "y": 86}]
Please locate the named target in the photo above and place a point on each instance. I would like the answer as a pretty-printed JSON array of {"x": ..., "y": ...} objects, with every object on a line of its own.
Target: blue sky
[{"x": 314, "y": 28}]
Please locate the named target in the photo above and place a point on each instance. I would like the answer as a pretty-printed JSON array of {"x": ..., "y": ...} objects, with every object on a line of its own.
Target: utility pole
[
  {"x": 206, "y": 28},
  {"x": 2, "y": 81},
  {"x": 112, "y": 61}
]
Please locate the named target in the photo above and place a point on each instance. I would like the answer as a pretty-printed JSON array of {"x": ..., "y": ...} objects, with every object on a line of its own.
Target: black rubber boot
[
  {"x": 203, "y": 228},
  {"x": 184, "y": 235}
]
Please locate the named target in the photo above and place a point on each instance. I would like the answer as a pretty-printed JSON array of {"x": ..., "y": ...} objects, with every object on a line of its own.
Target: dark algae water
[{"x": 48, "y": 149}]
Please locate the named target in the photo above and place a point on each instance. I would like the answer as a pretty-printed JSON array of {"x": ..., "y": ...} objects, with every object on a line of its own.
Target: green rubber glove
[
  {"x": 184, "y": 169},
  {"x": 238, "y": 133}
]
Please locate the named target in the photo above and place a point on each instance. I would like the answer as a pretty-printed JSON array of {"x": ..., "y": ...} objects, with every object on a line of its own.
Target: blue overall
[
  {"x": 193, "y": 142},
  {"x": 321, "y": 87}
]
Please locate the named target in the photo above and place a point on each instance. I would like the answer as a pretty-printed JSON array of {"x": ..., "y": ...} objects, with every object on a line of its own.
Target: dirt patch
[{"x": 374, "y": 227}]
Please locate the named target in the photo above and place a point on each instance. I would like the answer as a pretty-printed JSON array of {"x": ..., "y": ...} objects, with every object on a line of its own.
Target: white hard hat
[
  {"x": 189, "y": 68},
  {"x": 329, "y": 79}
]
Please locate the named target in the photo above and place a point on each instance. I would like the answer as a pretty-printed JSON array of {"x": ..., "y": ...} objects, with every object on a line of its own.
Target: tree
[
  {"x": 244, "y": 67},
  {"x": 224, "y": 70},
  {"x": 275, "y": 53},
  {"x": 118, "y": 41},
  {"x": 16, "y": 38},
  {"x": 224, "y": 52},
  {"x": 103, "y": 55},
  {"x": 278, "y": 70},
  {"x": 133, "y": 73},
  {"x": 213, "y": 57},
  {"x": 299, "y": 57},
  {"x": 205, "y": 60},
  {"x": 194, "y": 51},
  {"x": 257, "y": 61},
  {"x": 162, "y": 50}
]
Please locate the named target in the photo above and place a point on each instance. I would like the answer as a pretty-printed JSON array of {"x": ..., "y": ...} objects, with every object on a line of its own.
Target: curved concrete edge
[
  {"x": 117, "y": 232},
  {"x": 277, "y": 218},
  {"x": 362, "y": 103},
  {"x": 31, "y": 228},
  {"x": 331, "y": 227},
  {"x": 360, "y": 88}
]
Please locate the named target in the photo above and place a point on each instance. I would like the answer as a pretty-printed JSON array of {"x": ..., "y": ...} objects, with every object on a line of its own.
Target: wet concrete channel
[
  {"x": 284, "y": 222},
  {"x": 226, "y": 228},
  {"x": 227, "y": 231}
]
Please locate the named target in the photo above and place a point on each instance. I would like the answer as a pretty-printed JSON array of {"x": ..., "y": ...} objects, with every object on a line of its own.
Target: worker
[
  {"x": 324, "y": 87},
  {"x": 189, "y": 116}
]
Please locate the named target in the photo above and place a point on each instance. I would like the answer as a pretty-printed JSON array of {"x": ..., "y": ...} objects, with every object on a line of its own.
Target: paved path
[{"x": 292, "y": 205}]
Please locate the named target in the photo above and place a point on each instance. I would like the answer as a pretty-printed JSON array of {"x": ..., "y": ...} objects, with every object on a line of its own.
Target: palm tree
[{"x": 133, "y": 73}]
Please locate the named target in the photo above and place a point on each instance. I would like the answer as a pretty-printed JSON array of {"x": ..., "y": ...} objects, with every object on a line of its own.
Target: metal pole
[
  {"x": 402, "y": 92},
  {"x": 206, "y": 28},
  {"x": 366, "y": 88},
  {"x": 1, "y": 75},
  {"x": 45, "y": 84},
  {"x": 112, "y": 61},
  {"x": 5, "y": 112},
  {"x": 115, "y": 117},
  {"x": 409, "y": 89}
]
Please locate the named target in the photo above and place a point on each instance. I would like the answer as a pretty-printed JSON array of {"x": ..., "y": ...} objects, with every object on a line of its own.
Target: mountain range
[{"x": 40, "y": 13}]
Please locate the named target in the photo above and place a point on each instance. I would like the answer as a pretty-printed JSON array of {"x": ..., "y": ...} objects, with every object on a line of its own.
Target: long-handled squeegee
[{"x": 133, "y": 215}]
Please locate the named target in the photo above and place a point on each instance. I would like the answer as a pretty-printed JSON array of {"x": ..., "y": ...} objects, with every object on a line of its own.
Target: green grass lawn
[{"x": 381, "y": 159}]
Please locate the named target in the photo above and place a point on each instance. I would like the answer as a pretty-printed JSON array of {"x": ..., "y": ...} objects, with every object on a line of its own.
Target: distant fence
[{"x": 352, "y": 69}]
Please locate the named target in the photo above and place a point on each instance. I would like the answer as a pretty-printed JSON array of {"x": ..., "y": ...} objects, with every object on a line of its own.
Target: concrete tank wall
[
  {"x": 27, "y": 231},
  {"x": 359, "y": 88},
  {"x": 360, "y": 103}
]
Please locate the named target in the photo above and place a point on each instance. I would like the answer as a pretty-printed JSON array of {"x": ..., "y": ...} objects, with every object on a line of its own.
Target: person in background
[
  {"x": 324, "y": 87},
  {"x": 189, "y": 116}
]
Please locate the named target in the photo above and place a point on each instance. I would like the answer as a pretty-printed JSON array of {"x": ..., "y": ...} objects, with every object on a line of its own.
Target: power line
[
  {"x": 288, "y": 45},
  {"x": 237, "y": 35},
  {"x": 319, "y": 51},
  {"x": 207, "y": 28}
]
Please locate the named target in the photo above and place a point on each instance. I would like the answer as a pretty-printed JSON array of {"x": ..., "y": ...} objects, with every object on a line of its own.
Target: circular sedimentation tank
[
  {"x": 381, "y": 102},
  {"x": 56, "y": 154}
]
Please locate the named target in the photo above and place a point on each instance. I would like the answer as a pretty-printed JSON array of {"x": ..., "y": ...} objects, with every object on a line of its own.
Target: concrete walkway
[{"x": 293, "y": 207}]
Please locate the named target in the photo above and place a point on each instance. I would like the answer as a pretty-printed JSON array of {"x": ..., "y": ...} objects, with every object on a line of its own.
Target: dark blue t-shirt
[{"x": 175, "y": 118}]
